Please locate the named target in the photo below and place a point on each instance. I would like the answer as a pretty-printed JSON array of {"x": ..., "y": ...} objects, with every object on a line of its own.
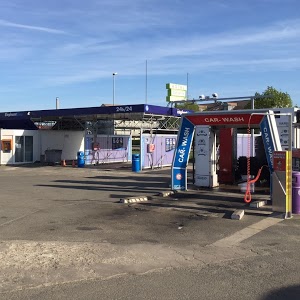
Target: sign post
[{"x": 282, "y": 182}]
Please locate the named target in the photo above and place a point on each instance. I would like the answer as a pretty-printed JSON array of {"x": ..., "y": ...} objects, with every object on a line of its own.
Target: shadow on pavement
[{"x": 287, "y": 293}]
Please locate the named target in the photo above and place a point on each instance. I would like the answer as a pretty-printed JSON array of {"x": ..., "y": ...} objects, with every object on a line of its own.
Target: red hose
[{"x": 247, "y": 197}]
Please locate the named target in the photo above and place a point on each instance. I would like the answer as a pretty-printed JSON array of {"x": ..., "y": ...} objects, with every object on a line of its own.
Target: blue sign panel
[
  {"x": 268, "y": 141},
  {"x": 179, "y": 180},
  {"x": 181, "y": 156},
  {"x": 184, "y": 143}
]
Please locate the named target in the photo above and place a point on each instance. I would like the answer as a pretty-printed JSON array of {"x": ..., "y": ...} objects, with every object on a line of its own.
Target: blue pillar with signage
[
  {"x": 271, "y": 141},
  {"x": 181, "y": 155}
]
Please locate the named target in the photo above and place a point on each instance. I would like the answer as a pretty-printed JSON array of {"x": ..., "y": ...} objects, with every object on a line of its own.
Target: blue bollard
[
  {"x": 80, "y": 159},
  {"x": 136, "y": 162}
]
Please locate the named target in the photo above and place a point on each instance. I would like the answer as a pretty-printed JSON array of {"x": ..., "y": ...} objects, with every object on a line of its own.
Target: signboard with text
[
  {"x": 279, "y": 160},
  {"x": 176, "y": 92},
  {"x": 269, "y": 140},
  {"x": 225, "y": 119},
  {"x": 181, "y": 155}
]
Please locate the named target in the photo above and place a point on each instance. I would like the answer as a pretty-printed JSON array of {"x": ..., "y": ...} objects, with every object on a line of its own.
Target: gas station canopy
[{"x": 71, "y": 116}]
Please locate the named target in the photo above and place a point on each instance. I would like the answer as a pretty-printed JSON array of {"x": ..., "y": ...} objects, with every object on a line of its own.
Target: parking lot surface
[{"x": 65, "y": 228}]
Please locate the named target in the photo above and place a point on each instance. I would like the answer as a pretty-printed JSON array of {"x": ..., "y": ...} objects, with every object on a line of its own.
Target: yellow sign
[
  {"x": 282, "y": 182},
  {"x": 289, "y": 182}
]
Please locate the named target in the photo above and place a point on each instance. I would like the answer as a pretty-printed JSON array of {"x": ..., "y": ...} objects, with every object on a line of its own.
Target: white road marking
[
  {"x": 21, "y": 217},
  {"x": 247, "y": 232}
]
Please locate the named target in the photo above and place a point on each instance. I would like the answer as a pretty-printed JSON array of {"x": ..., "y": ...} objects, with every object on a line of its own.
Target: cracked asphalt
[{"x": 64, "y": 235}]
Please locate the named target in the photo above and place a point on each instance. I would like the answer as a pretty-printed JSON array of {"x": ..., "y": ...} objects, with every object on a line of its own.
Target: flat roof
[
  {"x": 70, "y": 117},
  {"x": 119, "y": 112}
]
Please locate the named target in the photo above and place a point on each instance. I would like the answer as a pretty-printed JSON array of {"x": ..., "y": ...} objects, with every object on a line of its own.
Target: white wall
[
  {"x": 70, "y": 142},
  {"x": 9, "y": 134}
]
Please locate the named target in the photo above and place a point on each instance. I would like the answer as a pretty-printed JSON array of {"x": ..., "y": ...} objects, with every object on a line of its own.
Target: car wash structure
[{"x": 214, "y": 137}]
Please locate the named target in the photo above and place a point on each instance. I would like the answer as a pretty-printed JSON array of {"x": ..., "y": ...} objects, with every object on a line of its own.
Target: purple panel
[
  {"x": 105, "y": 153},
  {"x": 242, "y": 145},
  {"x": 163, "y": 153},
  {"x": 296, "y": 179},
  {"x": 295, "y": 200}
]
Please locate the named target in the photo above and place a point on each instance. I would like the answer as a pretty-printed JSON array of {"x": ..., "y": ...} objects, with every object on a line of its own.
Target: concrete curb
[
  {"x": 135, "y": 199},
  {"x": 166, "y": 194},
  {"x": 144, "y": 198},
  {"x": 257, "y": 204},
  {"x": 238, "y": 214}
]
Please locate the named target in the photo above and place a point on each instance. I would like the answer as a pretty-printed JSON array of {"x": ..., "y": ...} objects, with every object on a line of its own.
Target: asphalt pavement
[{"x": 65, "y": 235}]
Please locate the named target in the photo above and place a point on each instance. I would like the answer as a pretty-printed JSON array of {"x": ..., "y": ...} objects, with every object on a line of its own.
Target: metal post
[
  {"x": 114, "y": 74},
  {"x": 57, "y": 103},
  {"x": 187, "y": 86},
  {"x": 141, "y": 147},
  {"x": 290, "y": 148},
  {"x": 252, "y": 132},
  {"x": 193, "y": 145},
  {"x": 146, "y": 87}
]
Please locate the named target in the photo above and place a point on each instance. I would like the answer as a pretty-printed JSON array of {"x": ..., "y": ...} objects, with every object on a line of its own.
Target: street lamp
[{"x": 114, "y": 74}]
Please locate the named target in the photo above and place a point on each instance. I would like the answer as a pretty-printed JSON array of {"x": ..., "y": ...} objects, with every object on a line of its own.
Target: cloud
[
  {"x": 234, "y": 40},
  {"x": 101, "y": 42},
  {"x": 85, "y": 73},
  {"x": 30, "y": 27},
  {"x": 160, "y": 46}
]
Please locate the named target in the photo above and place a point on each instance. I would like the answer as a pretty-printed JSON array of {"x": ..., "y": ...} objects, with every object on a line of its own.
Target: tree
[
  {"x": 188, "y": 105},
  {"x": 277, "y": 99},
  {"x": 174, "y": 122}
]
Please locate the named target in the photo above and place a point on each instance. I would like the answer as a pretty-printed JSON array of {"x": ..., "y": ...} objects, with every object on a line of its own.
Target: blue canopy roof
[
  {"x": 114, "y": 112},
  {"x": 119, "y": 112}
]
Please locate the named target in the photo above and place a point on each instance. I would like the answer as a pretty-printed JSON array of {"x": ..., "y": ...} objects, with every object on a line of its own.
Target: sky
[{"x": 70, "y": 49}]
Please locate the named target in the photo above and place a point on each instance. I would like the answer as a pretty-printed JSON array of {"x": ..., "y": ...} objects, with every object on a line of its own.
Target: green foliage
[
  {"x": 188, "y": 106},
  {"x": 277, "y": 99}
]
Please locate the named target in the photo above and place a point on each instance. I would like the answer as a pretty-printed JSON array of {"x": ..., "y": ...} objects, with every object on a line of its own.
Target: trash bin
[
  {"x": 295, "y": 192},
  {"x": 136, "y": 162},
  {"x": 80, "y": 159},
  {"x": 53, "y": 156}
]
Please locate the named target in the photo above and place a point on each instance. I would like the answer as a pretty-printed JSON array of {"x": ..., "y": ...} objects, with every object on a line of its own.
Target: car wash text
[
  {"x": 182, "y": 150},
  {"x": 223, "y": 119}
]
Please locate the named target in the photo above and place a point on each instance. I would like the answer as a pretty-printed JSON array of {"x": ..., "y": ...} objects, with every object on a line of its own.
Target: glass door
[
  {"x": 28, "y": 148},
  {"x": 19, "y": 148},
  {"x": 23, "y": 148}
]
